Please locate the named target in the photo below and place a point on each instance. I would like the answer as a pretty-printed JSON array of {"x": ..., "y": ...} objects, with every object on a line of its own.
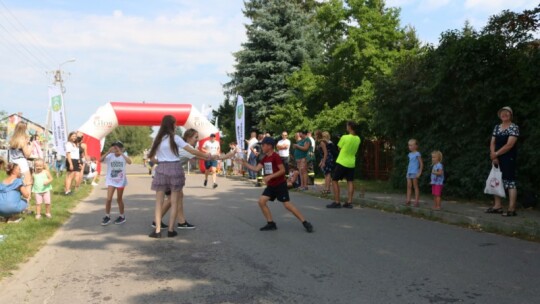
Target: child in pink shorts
[
  {"x": 437, "y": 178},
  {"x": 42, "y": 187}
]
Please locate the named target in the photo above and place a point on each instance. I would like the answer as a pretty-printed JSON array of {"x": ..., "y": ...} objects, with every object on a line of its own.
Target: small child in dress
[
  {"x": 42, "y": 187},
  {"x": 414, "y": 170},
  {"x": 276, "y": 185},
  {"x": 116, "y": 180},
  {"x": 437, "y": 178}
]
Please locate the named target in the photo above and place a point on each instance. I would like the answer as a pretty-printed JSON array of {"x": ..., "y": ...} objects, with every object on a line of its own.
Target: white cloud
[
  {"x": 430, "y": 5},
  {"x": 422, "y": 5},
  {"x": 495, "y": 6},
  {"x": 175, "y": 56},
  {"x": 398, "y": 3}
]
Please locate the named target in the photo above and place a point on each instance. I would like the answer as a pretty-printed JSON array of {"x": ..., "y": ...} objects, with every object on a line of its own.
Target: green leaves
[
  {"x": 135, "y": 139},
  {"x": 277, "y": 45},
  {"x": 447, "y": 98}
]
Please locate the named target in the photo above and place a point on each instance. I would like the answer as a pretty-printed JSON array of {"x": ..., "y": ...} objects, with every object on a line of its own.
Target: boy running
[
  {"x": 276, "y": 185},
  {"x": 116, "y": 179}
]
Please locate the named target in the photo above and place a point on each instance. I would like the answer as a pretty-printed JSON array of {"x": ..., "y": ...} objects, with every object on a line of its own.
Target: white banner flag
[
  {"x": 240, "y": 114},
  {"x": 58, "y": 119}
]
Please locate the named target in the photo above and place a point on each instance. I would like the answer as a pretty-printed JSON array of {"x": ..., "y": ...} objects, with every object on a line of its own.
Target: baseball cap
[
  {"x": 118, "y": 143},
  {"x": 268, "y": 141}
]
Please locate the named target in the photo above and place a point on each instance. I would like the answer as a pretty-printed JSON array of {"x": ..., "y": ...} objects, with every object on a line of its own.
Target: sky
[{"x": 162, "y": 51}]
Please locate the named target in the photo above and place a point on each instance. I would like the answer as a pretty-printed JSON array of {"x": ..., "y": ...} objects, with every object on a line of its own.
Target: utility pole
[
  {"x": 58, "y": 81},
  {"x": 53, "y": 117}
]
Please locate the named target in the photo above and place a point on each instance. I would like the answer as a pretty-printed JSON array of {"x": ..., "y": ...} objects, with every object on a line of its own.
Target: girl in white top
[
  {"x": 191, "y": 136},
  {"x": 169, "y": 174},
  {"x": 72, "y": 162},
  {"x": 115, "y": 180}
]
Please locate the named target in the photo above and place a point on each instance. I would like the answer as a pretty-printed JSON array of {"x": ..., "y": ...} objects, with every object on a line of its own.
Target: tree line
[{"x": 315, "y": 65}]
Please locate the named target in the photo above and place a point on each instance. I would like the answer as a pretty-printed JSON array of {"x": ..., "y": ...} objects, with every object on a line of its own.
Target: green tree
[
  {"x": 278, "y": 43},
  {"x": 361, "y": 40},
  {"x": 447, "y": 98},
  {"x": 135, "y": 139},
  {"x": 227, "y": 123}
]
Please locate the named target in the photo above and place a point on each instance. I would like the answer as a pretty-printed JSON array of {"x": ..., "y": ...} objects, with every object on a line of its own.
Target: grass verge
[
  {"x": 529, "y": 231},
  {"x": 22, "y": 240}
]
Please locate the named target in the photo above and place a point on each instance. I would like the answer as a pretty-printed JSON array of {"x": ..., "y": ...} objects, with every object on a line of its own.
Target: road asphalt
[{"x": 359, "y": 255}]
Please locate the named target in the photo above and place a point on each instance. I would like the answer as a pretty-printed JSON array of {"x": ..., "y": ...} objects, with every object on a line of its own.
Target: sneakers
[
  {"x": 120, "y": 220},
  {"x": 308, "y": 226},
  {"x": 48, "y": 215},
  {"x": 205, "y": 182},
  {"x": 172, "y": 233},
  {"x": 67, "y": 193},
  {"x": 269, "y": 226},
  {"x": 94, "y": 184},
  {"x": 214, "y": 186},
  {"x": 105, "y": 221},
  {"x": 348, "y": 205},
  {"x": 155, "y": 235},
  {"x": 162, "y": 225},
  {"x": 38, "y": 216},
  {"x": 185, "y": 225},
  {"x": 334, "y": 205}
]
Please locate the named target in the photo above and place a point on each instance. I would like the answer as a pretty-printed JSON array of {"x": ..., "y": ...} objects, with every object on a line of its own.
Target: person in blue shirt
[
  {"x": 14, "y": 195},
  {"x": 414, "y": 170}
]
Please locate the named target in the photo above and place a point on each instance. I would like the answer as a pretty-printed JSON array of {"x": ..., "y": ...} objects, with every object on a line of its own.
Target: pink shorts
[
  {"x": 436, "y": 190},
  {"x": 44, "y": 197}
]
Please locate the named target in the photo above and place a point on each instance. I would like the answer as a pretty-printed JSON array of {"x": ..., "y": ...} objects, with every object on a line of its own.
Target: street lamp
[{"x": 58, "y": 74}]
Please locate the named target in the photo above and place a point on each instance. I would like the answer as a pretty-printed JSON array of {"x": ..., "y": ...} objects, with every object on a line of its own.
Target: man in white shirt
[
  {"x": 211, "y": 146},
  {"x": 283, "y": 147}
]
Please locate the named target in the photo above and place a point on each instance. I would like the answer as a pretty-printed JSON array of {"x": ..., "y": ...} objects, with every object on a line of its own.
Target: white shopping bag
[{"x": 494, "y": 183}]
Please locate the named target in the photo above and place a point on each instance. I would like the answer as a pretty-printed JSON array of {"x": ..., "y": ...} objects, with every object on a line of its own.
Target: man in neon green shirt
[{"x": 348, "y": 146}]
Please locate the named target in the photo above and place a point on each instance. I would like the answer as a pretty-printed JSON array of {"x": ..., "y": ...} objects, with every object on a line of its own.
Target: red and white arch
[{"x": 115, "y": 114}]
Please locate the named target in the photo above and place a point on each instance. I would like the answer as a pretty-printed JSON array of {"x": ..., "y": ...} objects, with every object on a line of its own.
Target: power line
[
  {"x": 26, "y": 33},
  {"x": 30, "y": 54},
  {"x": 24, "y": 58}
]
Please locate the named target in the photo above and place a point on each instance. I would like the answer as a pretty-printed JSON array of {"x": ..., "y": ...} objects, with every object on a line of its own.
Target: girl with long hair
[
  {"x": 72, "y": 162},
  {"x": 20, "y": 150},
  {"x": 169, "y": 174}
]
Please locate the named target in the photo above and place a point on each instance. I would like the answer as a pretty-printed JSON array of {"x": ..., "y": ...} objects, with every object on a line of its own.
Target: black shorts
[
  {"x": 341, "y": 172},
  {"x": 280, "y": 192},
  {"x": 76, "y": 165}
]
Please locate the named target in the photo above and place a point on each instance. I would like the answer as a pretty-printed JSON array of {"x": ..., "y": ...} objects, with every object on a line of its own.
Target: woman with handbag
[{"x": 503, "y": 153}]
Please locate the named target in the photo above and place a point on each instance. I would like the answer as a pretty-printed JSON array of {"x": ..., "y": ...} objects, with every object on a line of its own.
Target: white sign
[
  {"x": 239, "y": 115},
  {"x": 58, "y": 119}
]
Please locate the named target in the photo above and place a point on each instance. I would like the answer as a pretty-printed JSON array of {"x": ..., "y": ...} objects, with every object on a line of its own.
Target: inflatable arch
[{"x": 115, "y": 114}]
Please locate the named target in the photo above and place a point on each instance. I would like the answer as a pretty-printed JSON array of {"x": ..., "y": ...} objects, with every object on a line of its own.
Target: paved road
[{"x": 354, "y": 256}]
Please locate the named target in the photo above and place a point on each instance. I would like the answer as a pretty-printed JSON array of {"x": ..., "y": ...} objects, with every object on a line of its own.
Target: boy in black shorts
[
  {"x": 345, "y": 164},
  {"x": 276, "y": 185}
]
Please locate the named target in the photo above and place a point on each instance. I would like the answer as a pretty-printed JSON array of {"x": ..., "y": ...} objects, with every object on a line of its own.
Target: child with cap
[
  {"x": 116, "y": 180},
  {"x": 276, "y": 185}
]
